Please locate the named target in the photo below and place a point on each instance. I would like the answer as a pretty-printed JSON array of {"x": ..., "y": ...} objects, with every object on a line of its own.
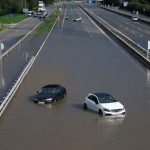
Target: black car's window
[
  {"x": 106, "y": 98},
  {"x": 59, "y": 91},
  {"x": 48, "y": 90}
]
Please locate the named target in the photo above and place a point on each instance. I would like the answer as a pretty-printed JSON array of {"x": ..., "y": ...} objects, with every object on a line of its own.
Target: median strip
[{"x": 47, "y": 23}]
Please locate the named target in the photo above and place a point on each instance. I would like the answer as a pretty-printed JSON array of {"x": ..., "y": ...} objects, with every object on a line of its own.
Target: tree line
[
  {"x": 143, "y": 6},
  {"x": 120, "y": 2},
  {"x": 16, "y": 6}
]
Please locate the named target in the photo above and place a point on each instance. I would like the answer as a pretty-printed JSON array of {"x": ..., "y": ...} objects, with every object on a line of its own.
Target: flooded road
[{"x": 80, "y": 57}]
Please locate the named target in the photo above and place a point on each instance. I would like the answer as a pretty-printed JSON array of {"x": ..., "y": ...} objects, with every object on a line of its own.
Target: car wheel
[
  {"x": 100, "y": 112},
  {"x": 85, "y": 106},
  {"x": 35, "y": 101},
  {"x": 45, "y": 102},
  {"x": 54, "y": 100}
]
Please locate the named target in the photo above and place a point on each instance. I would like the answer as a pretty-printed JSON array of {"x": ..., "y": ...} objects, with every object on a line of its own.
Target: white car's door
[{"x": 93, "y": 103}]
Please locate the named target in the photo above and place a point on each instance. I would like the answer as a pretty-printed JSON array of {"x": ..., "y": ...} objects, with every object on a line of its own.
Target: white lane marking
[{"x": 63, "y": 18}]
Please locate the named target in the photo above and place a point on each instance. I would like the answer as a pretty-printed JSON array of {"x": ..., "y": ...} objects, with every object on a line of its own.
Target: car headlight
[
  {"x": 105, "y": 109},
  {"x": 49, "y": 99}
]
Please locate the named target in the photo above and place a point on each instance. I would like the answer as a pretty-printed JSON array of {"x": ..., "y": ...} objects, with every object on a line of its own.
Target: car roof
[
  {"x": 98, "y": 94},
  {"x": 52, "y": 86}
]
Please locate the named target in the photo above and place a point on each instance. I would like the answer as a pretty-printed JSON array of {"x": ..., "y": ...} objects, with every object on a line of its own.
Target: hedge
[{"x": 142, "y": 8}]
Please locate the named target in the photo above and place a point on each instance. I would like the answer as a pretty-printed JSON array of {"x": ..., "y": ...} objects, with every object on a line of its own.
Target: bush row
[{"x": 142, "y": 8}]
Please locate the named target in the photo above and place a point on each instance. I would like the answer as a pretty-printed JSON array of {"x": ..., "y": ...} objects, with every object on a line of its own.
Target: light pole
[{"x": 1, "y": 65}]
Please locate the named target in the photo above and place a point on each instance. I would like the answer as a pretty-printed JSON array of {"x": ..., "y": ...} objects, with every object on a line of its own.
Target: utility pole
[{"x": 25, "y": 3}]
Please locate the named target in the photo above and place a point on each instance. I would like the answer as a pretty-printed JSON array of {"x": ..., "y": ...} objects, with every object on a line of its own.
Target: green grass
[
  {"x": 47, "y": 23},
  {"x": 2, "y": 27},
  {"x": 8, "y": 19}
]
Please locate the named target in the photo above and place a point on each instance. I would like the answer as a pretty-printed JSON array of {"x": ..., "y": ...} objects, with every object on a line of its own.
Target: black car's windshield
[
  {"x": 48, "y": 90},
  {"x": 106, "y": 98}
]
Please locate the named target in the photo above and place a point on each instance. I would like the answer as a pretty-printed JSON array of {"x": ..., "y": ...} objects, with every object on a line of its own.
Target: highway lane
[
  {"x": 138, "y": 32},
  {"x": 80, "y": 57}
]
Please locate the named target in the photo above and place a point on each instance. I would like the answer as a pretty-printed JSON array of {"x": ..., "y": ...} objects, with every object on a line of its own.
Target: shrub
[{"x": 142, "y": 8}]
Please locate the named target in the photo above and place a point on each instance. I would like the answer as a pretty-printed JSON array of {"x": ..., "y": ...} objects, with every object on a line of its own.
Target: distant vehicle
[
  {"x": 41, "y": 6},
  {"x": 77, "y": 19},
  {"x": 42, "y": 14},
  {"x": 30, "y": 13},
  {"x": 50, "y": 93},
  {"x": 67, "y": 18},
  {"x": 103, "y": 104},
  {"x": 135, "y": 18}
]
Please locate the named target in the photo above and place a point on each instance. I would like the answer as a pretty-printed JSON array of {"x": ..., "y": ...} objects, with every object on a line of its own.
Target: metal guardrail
[
  {"x": 141, "y": 53},
  {"x": 15, "y": 86}
]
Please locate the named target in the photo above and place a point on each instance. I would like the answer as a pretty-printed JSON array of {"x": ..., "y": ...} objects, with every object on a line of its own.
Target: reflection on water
[
  {"x": 109, "y": 126},
  {"x": 111, "y": 121},
  {"x": 49, "y": 106}
]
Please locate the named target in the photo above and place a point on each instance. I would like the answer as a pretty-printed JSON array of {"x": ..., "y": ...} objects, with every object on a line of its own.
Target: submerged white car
[
  {"x": 103, "y": 104},
  {"x": 134, "y": 18},
  {"x": 77, "y": 19}
]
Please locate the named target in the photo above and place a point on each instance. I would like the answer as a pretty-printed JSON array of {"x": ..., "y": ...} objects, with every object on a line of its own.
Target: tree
[{"x": 16, "y": 6}]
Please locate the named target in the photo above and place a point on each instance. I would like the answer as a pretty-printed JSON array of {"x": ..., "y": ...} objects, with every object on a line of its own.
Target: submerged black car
[{"x": 50, "y": 93}]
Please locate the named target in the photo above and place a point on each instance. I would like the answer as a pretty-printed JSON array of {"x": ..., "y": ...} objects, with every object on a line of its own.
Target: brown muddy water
[{"x": 82, "y": 62}]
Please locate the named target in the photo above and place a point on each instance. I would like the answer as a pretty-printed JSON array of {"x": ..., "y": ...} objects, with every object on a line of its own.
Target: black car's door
[{"x": 59, "y": 93}]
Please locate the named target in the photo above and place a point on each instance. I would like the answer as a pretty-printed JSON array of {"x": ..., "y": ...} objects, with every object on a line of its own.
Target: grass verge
[
  {"x": 47, "y": 23},
  {"x": 8, "y": 19},
  {"x": 2, "y": 27}
]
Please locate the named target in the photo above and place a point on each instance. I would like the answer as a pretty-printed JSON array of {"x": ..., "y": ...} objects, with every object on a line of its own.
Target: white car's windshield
[{"x": 105, "y": 98}]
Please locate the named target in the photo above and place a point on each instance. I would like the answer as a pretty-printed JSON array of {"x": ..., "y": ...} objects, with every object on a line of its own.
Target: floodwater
[{"x": 81, "y": 58}]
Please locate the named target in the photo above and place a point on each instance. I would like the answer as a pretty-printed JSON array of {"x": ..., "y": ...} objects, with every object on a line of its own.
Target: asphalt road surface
[
  {"x": 80, "y": 57},
  {"x": 137, "y": 32}
]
